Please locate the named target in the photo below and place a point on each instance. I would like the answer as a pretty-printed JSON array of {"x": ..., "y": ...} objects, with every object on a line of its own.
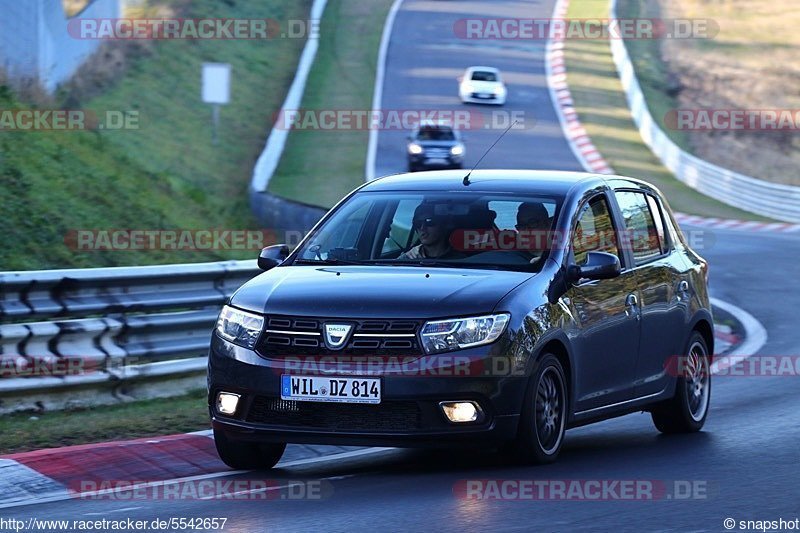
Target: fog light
[
  {"x": 461, "y": 411},
  {"x": 227, "y": 402}
]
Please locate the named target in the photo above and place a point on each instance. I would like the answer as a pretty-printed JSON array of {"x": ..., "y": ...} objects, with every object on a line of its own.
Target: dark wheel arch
[{"x": 704, "y": 325}]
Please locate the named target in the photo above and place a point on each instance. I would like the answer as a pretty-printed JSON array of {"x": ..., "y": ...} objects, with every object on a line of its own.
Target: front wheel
[
  {"x": 686, "y": 412},
  {"x": 242, "y": 455},
  {"x": 544, "y": 414}
]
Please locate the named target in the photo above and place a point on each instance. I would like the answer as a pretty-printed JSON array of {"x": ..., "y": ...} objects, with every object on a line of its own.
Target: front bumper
[
  {"x": 408, "y": 415},
  {"x": 426, "y": 160}
]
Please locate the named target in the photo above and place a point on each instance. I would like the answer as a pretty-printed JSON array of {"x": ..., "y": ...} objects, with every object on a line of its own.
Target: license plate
[
  {"x": 484, "y": 96},
  {"x": 330, "y": 389},
  {"x": 437, "y": 161}
]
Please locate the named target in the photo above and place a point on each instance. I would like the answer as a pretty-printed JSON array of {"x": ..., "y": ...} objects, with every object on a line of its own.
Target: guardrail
[
  {"x": 95, "y": 336},
  {"x": 781, "y": 202}
]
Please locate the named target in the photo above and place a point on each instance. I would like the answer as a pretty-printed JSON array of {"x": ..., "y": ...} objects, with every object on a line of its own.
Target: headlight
[
  {"x": 468, "y": 88},
  {"x": 414, "y": 149},
  {"x": 239, "y": 327},
  {"x": 459, "y": 333},
  {"x": 499, "y": 90},
  {"x": 457, "y": 149}
]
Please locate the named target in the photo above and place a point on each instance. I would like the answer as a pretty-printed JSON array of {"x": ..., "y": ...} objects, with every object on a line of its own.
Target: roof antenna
[{"x": 466, "y": 178}]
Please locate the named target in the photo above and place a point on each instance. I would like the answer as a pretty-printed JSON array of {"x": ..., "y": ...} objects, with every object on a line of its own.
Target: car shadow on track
[{"x": 584, "y": 452}]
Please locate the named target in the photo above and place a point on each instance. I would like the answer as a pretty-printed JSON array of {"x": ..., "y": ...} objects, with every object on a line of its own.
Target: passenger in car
[{"x": 534, "y": 222}]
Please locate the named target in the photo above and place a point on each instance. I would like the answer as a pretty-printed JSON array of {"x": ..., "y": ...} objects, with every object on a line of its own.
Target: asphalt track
[{"x": 745, "y": 464}]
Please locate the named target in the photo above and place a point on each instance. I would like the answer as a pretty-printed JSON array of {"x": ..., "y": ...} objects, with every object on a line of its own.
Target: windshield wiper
[
  {"x": 474, "y": 266},
  {"x": 329, "y": 261}
]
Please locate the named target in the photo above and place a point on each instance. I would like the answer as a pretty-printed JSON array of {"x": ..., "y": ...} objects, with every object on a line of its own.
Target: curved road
[
  {"x": 426, "y": 57},
  {"x": 746, "y": 462}
]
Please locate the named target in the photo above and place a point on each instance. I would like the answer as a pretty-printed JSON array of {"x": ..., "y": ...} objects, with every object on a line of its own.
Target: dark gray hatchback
[{"x": 431, "y": 309}]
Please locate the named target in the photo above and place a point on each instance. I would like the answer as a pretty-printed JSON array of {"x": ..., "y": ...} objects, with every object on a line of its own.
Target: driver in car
[{"x": 434, "y": 234}]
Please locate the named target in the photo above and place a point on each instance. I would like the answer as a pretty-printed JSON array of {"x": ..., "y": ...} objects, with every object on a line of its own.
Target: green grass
[
  {"x": 601, "y": 106},
  {"x": 165, "y": 175},
  {"x": 319, "y": 167},
  {"x": 26, "y": 431}
]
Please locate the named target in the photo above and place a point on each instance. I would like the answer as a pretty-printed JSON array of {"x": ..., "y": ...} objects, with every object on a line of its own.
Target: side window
[
  {"x": 594, "y": 231},
  {"x": 658, "y": 216},
  {"x": 640, "y": 226},
  {"x": 401, "y": 227}
]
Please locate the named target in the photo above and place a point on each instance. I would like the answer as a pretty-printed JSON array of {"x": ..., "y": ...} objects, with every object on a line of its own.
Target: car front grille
[
  {"x": 388, "y": 416},
  {"x": 484, "y": 96},
  {"x": 437, "y": 153},
  {"x": 304, "y": 336}
]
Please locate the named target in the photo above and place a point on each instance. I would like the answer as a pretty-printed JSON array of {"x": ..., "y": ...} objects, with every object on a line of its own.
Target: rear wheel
[
  {"x": 242, "y": 455},
  {"x": 544, "y": 414},
  {"x": 686, "y": 412}
]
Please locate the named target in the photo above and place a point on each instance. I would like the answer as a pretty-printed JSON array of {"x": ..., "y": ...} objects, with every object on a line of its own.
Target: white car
[{"x": 482, "y": 85}]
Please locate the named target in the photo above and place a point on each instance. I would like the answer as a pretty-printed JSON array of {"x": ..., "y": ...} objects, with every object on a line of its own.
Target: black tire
[
  {"x": 412, "y": 167},
  {"x": 544, "y": 414},
  {"x": 687, "y": 410},
  {"x": 241, "y": 455}
]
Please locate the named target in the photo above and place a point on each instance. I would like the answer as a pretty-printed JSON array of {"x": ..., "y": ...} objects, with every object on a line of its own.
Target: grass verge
[
  {"x": 748, "y": 64},
  {"x": 24, "y": 431},
  {"x": 164, "y": 175},
  {"x": 318, "y": 166},
  {"x": 603, "y": 110}
]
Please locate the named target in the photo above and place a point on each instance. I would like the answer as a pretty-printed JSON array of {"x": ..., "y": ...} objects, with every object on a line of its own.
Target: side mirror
[
  {"x": 599, "y": 265},
  {"x": 272, "y": 256},
  {"x": 460, "y": 79}
]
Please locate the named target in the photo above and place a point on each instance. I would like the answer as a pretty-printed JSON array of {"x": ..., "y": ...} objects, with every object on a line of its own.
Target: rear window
[{"x": 484, "y": 76}]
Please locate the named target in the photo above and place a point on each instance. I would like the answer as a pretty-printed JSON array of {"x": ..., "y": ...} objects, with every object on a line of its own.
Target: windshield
[
  {"x": 484, "y": 76},
  {"x": 464, "y": 229},
  {"x": 436, "y": 134}
]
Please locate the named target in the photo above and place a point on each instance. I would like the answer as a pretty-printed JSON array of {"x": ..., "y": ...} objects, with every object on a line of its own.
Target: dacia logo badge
[{"x": 336, "y": 335}]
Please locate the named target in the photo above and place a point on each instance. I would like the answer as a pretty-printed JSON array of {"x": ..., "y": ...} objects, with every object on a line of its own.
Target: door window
[
  {"x": 594, "y": 231},
  {"x": 640, "y": 226}
]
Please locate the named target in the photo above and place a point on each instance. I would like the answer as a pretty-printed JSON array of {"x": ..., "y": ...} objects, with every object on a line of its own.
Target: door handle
[
  {"x": 683, "y": 289},
  {"x": 632, "y": 302}
]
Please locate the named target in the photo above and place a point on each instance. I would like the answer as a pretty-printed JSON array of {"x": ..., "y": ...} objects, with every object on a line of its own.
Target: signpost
[{"x": 216, "y": 91}]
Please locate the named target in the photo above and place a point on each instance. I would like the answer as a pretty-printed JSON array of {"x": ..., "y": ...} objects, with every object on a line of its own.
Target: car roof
[
  {"x": 495, "y": 180},
  {"x": 441, "y": 123}
]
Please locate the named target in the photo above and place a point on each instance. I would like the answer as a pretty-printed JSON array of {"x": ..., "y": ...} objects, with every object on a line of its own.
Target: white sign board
[{"x": 216, "y": 83}]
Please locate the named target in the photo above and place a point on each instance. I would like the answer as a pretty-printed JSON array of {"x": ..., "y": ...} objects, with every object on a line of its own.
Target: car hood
[{"x": 376, "y": 291}]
